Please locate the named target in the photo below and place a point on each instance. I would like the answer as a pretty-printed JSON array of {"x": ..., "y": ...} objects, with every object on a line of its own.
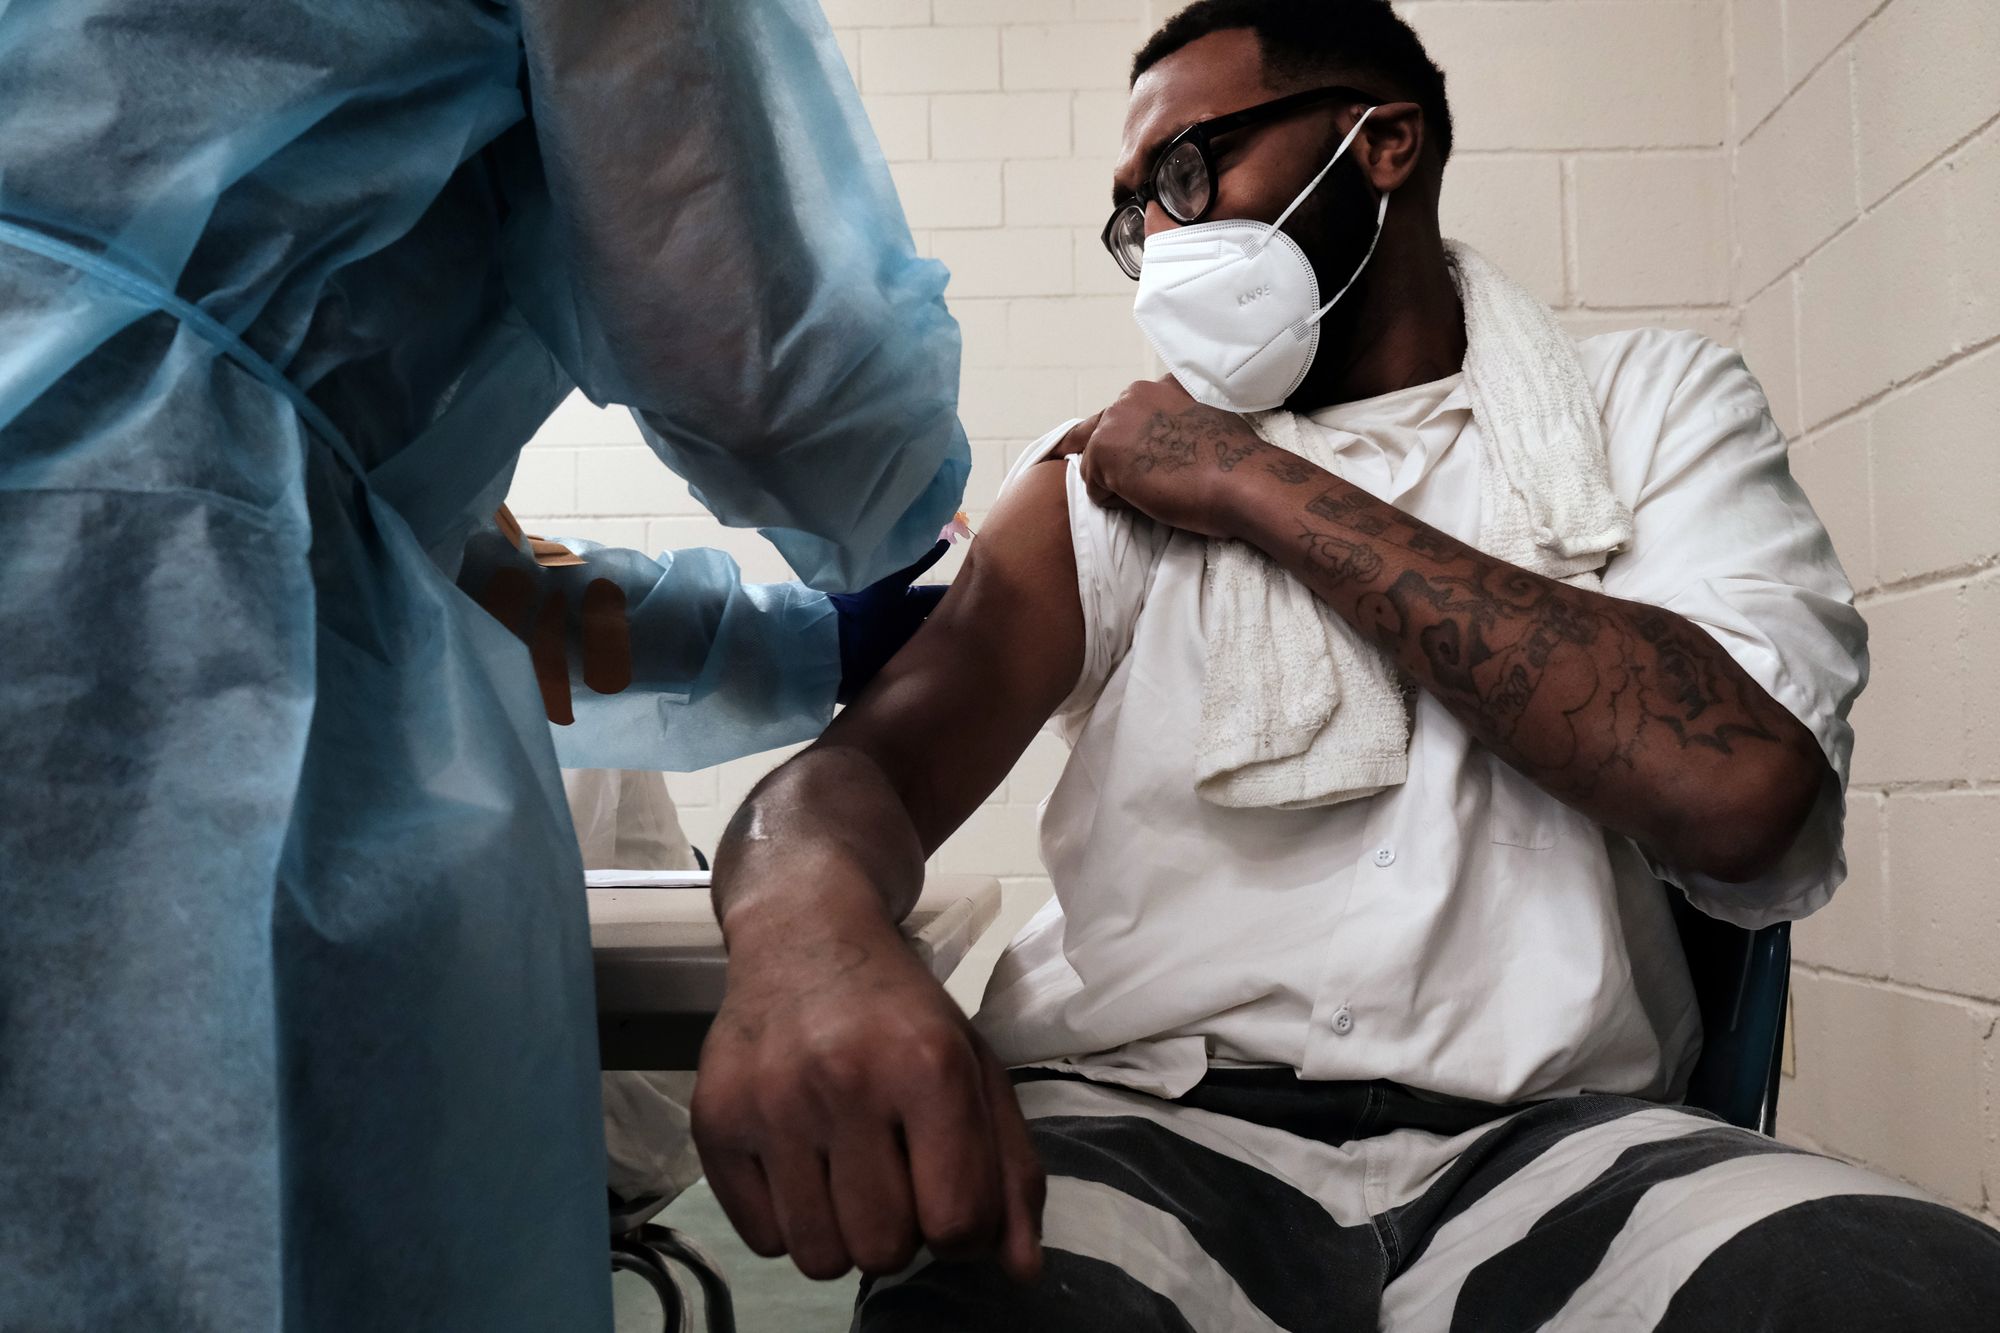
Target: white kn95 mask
[{"x": 1233, "y": 307}]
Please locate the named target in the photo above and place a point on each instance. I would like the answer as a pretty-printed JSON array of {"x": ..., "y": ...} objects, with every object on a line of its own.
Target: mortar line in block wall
[
  {"x": 1586, "y": 308},
  {"x": 1732, "y": 141},
  {"x": 1925, "y": 787},
  {"x": 1944, "y": 158},
  {"x": 1722, "y": 145},
  {"x": 1794, "y": 83},
  {"x": 1899, "y": 389},
  {"x": 1956, "y": 147},
  {"x": 1899, "y": 589},
  {"x": 1729, "y": 133},
  {"x": 1734, "y": 152},
  {"x": 1795, "y": 307},
  {"x": 1854, "y": 128},
  {"x": 1567, "y": 225},
  {"x": 1882, "y": 868},
  {"x": 1645, "y": 314},
  {"x": 1986, "y": 1008}
]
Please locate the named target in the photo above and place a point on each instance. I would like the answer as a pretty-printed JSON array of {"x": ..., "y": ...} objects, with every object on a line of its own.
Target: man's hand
[
  {"x": 1160, "y": 452},
  {"x": 847, "y": 1112}
]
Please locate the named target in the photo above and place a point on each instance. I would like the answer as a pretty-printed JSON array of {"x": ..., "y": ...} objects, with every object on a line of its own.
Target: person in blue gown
[{"x": 296, "y": 1025}]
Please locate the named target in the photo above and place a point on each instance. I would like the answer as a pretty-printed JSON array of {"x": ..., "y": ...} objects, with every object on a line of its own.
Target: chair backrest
[{"x": 1741, "y": 981}]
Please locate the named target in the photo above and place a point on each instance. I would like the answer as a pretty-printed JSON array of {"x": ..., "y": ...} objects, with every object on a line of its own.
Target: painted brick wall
[
  {"x": 1591, "y": 158},
  {"x": 1807, "y": 178},
  {"x": 1866, "y": 179}
]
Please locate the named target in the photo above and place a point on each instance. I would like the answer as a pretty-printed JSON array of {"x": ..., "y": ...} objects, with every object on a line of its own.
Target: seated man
[{"x": 1358, "y": 1006}]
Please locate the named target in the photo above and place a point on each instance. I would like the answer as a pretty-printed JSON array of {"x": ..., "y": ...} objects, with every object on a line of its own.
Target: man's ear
[{"x": 1391, "y": 144}]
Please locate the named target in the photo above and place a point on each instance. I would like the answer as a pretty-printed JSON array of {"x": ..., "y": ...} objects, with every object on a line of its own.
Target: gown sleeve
[{"x": 713, "y": 240}]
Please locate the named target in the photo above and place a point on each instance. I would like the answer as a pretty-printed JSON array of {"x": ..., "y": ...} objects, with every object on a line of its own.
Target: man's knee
[{"x": 1848, "y": 1262}]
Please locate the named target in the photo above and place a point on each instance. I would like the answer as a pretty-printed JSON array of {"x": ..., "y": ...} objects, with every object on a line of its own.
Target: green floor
[{"x": 771, "y": 1295}]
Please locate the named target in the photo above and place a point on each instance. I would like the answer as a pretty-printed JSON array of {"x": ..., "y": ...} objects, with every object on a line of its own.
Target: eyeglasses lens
[
  {"x": 1182, "y": 182},
  {"x": 1128, "y": 239}
]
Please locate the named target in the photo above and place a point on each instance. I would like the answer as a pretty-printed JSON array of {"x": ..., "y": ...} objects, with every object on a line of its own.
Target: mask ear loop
[
  {"x": 1381, "y": 217},
  {"x": 1313, "y": 184}
]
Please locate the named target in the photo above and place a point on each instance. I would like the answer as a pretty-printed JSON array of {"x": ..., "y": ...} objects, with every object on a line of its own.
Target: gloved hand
[
  {"x": 506, "y": 572},
  {"x": 876, "y": 622}
]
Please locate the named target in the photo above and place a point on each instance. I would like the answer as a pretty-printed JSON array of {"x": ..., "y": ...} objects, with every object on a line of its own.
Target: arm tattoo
[
  {"x": 1231, "y": 450},
  {"x": 1350, "y": 508},
  {"x": 1176, "y": 442},
  {"x": 1170, "y": 445},
  {"x": 1291, "y": 469},
  {"x": 1572, "y": 687},
  {"x": 1339, "y": 562}
]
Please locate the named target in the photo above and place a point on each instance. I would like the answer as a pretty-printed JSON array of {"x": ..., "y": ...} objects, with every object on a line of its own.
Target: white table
[{"x": 660, "y": 964}]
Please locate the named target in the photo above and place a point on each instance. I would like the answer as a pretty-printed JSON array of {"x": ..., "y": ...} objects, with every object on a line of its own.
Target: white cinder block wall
[
  {"x": 1802, "y": 176},
  {"x": 1866, "y": 180}
]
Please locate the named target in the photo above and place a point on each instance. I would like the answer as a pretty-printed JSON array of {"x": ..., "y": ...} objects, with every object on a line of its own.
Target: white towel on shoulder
[{"x": 1297, "y": 710}]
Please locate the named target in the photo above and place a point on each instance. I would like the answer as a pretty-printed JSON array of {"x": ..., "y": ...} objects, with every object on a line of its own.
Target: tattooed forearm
[
  {"x": 1291, "y": 469},
  {"x": 1626, "y": 711},
  {"x": 1350, "y": 508},
  {"x": 1568, "y": 684},
  {"x": 1340, "y": 563}
]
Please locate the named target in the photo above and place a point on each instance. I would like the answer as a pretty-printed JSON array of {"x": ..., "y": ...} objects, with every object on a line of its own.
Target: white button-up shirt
[{"x": 1464, "y": 932}]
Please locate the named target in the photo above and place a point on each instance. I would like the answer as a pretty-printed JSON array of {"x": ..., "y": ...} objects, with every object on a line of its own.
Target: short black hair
[{"x": 1300, "y": 38}]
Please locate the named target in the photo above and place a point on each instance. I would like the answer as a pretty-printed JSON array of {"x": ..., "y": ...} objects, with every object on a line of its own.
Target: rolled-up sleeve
[{"x": 1724, "y": 536}]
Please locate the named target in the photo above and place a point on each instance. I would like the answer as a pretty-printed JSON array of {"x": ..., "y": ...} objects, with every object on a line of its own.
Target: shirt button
[
  {"x": 1385, "y": 856},
  {"x": 1343, "y": 1021}
]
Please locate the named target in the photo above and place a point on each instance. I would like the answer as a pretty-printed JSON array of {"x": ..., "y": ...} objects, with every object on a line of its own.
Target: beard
[{"x": 1335, "y": 226}]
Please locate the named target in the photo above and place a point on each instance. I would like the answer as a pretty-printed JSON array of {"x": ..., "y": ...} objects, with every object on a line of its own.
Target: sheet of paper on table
[{"x": 646, "y": 879}]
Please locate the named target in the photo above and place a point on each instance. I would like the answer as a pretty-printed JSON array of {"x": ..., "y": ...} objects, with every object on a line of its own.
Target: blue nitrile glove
[{"x": 876, "y": 622}]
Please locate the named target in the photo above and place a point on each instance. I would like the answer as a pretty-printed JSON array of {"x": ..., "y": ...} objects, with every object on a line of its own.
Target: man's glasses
[{"x": 1183, "y": 174}]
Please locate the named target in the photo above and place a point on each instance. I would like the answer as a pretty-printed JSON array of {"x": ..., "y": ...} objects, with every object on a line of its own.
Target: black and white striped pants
[{"x": 1589, "y": 1212}]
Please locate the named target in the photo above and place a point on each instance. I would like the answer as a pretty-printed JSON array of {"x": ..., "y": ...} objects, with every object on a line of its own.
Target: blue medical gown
[{"x": 295, "y": 1010}]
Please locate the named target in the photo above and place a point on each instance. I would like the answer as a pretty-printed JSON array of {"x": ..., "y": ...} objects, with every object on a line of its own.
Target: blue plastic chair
[{"x": 1742, "y": 980}]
